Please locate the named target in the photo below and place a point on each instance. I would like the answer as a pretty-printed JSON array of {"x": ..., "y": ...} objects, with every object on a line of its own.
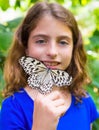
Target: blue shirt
[{"x": 16, "y": 113}]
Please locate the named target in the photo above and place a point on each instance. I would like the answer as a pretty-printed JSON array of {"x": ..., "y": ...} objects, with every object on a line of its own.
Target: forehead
[{"x": 51, "y": 26}]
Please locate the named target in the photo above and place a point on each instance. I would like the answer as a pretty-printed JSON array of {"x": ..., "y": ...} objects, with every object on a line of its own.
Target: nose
[{"x": 52, "y": 50}]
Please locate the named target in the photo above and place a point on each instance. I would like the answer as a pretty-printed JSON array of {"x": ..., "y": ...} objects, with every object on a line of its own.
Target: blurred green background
[{"x": 87, "y": 14}]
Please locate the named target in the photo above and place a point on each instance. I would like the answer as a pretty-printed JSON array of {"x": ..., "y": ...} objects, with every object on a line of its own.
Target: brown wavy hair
[{"x": 14, "y": 75}]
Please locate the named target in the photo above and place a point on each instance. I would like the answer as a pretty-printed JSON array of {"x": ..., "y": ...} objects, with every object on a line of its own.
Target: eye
[
  {"x": 63, "y": 42},
  {"x": 41, "y": 41}
]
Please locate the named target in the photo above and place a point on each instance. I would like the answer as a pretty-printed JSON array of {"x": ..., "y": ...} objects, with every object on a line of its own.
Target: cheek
[
  {"x": 34, "y": 52},
  {"x": 67, "y": 56}
]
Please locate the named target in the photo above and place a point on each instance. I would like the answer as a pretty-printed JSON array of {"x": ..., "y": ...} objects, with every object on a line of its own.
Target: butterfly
[{"x": 41, "y": 77}]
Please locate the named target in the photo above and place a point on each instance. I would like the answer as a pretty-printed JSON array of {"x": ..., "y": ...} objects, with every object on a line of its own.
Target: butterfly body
[{"x": 43, "y": 78}]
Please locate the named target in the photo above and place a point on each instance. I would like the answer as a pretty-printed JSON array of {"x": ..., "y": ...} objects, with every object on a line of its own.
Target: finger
[
  {"x": 54, "y": 95},
  {"x": 61, "y": 110},
  {"x": 58, "y": 102}
]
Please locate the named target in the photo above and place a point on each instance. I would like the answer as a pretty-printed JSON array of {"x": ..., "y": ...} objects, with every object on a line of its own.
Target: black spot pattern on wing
[{"x": 43, "y": 78}]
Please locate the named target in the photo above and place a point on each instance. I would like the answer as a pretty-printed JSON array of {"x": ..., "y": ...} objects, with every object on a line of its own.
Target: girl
[{"x": 33, "y": 101}]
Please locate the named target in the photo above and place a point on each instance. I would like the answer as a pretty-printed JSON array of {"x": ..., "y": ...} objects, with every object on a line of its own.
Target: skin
[{"x": 50, "y": 42}]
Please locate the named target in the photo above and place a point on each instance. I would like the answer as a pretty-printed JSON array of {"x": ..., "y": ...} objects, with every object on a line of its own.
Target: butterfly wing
[
  {"x": 61, "y": 78},
  {"x": 41, "y": 81},
  {"x": 31, "y": 65},
  {"x": 41, "y": 77}
]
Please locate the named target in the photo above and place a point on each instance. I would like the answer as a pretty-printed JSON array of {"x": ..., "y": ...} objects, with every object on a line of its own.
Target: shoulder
[
  {"x": 17, "y": 100},
  {"x": 91, "y": 107},
  {"x": 16, "y": 111},
  {"x": 86, "y": 108},
  {"x": 88, "y": 100}
]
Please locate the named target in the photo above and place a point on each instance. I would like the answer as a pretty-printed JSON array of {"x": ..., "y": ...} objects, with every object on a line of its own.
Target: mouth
[{"x": 51, "y": 64}]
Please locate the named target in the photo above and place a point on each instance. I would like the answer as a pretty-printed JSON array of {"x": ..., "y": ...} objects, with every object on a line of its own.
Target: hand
[{"x": 47, "y": 110}]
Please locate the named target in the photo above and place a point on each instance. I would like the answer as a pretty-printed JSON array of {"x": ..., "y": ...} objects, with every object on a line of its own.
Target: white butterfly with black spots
[{"x": 42, "y": 77}]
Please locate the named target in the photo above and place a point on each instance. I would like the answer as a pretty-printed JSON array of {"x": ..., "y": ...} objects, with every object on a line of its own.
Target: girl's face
[{"x": 51, "y": 42}]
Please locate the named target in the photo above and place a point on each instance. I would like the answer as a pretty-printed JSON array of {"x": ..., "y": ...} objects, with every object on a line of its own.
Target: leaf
[
  {"x": 2, "y": 59},
  {"x": 17, "y": 4},
  {"x": 2, "y": 28},
  {"x": 96, "y": 125},
  {"x": 14, "y": 23},
  {"x": 4, "y": 4},
  {"x": 94, "y": 42},
  {"x": 60, "y": 1},
  {"x": 5, "y": 40},
  {"x": 33, "y": 1}
]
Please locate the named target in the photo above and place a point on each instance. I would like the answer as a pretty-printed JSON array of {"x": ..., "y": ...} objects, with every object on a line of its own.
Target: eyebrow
[
  {"x": 59, "y": 37},
  {"x": 40, "y": 35}
]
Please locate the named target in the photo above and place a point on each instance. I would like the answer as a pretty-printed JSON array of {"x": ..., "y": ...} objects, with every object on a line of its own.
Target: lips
[{"x": 51, "y": 64}]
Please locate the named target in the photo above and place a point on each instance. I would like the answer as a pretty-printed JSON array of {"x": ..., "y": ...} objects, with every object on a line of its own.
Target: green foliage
[
  {"x": 96, "y": 14},
  {"x": 96, "y": 125},
  {"x": 5, "y": 39},
  {"x": 94, "y": 39},
  {"x": 6, "y": 35},
  {"x": 4, "y": 4},
  {"x": 13, "y": 23},
  {"x": 80, "y": 2}
]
